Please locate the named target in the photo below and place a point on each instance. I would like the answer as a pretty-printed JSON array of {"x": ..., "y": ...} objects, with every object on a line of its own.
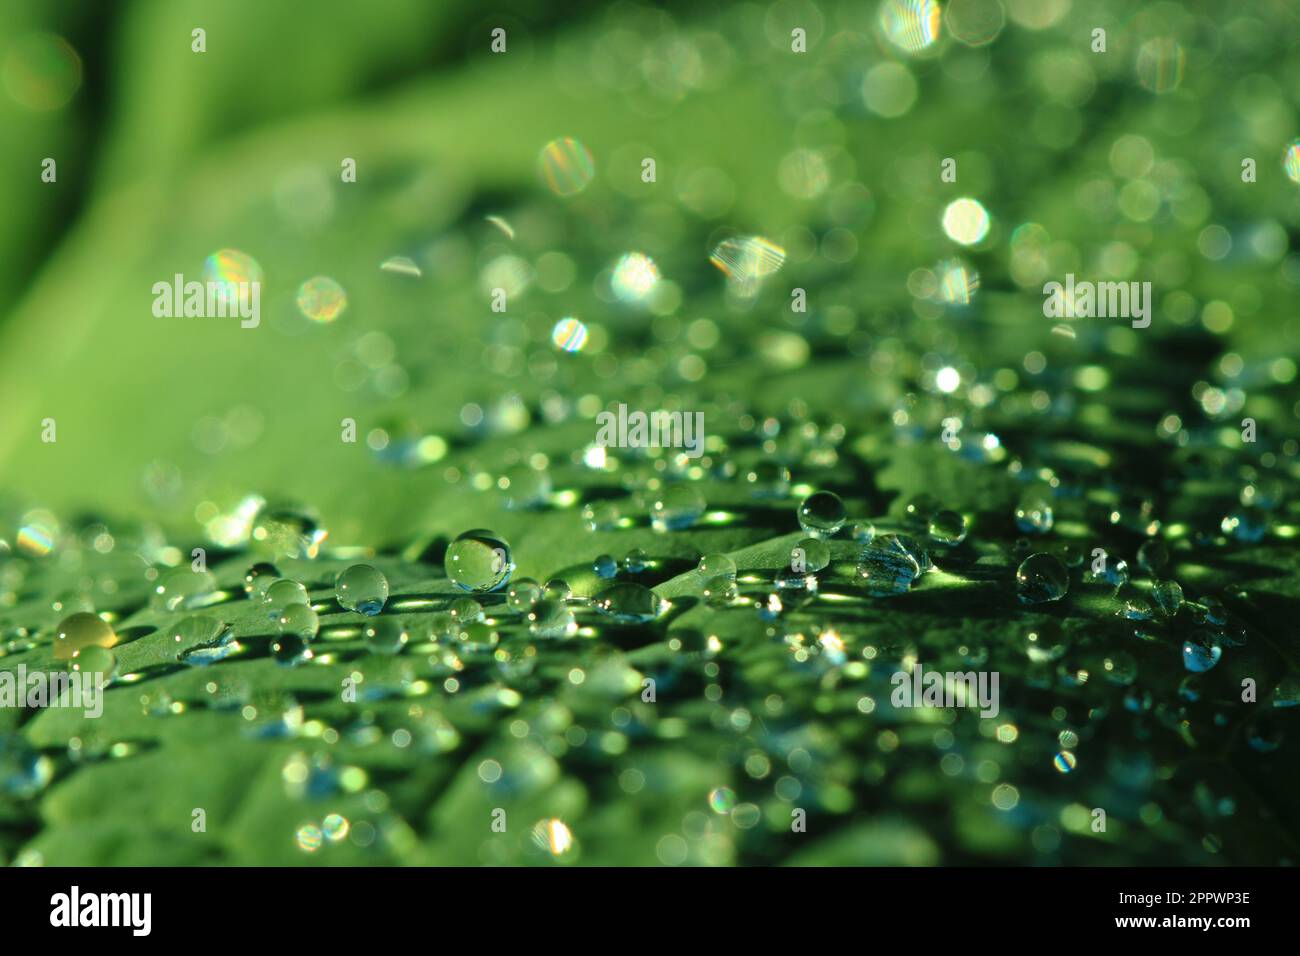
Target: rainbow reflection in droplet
[
  {"x": 957, "y": 282},
  {"x": 566, "y": 166},
  {"x": 910, "y": 25},
  {"x": 569, "y": 335},
  {"x": 748, "y": 258},
  {"x": 1291, "y": 161},
  {"x": 553, "y": 836},
  {"x": 966, "y": 221},
  {"x": 231, "y": 267},
  {"x": 321, "y": 299},
  {"x": 1160, "y": 64}
]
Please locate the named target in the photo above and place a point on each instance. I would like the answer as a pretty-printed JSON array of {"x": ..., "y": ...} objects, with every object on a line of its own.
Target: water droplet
[
  {"x": 479, "y": 560},
  {"x": 23, "y": 771},
  {"x": 1153, "y": 556},
  {"x": 549, "y": 618},
  {"x": 768, "y": 479},
  {"x": 788, "y": 579},
  {"x": 719, "y": 591},
  {"x": 81, "y": 630},
  {"x": 1045, "y": 644},
  {"x": 527, "y": 488},
  {"x": 602, "y": 515},
  {"x": 1168, "y": 597},
  {"x": 465, "y": 610},
  {"x": 1114, "y": 573},
  {"x": 258, "y": 578},
  {"x": 1034, "y": 514},
  {"x": 386, "y": 635},
  {"x": 717, "y": 565},
  {"x": 965, "y": 221},
  {"x": 569, "y": 334},
  {"x": 747, "y": 259},
  {"x": 816, "y": 555},
  {"x": 1065, "y": 761},
  {"x": 1041, "y": 577},
  {"x": 300, "y": 620},
  {"x": 629, "y": 603},
  {"x": 362, "y": 588},
  {"x": 1247, "y": 525},
  {"x": 182, "y": 588},
  {"x": 553, "y": 836},
  {"x": 677, "y": 507},
  {"x": 285, "y": 533},
  {"x": 948, "y": 528},
  {"x": 862, "y": 533},
  {"x": 566, "y": 166},
  {"x": 1287, "y": 692},
  {"x": 1201, "y": 654},
  {"x": 822, "y": 514},
  {"x": 95, "y": 660},
  {"x": 605, "y": 566},
  {"x": 523, "y": 594},
  {"x": 321, "y": 299},
  {"x": 557, "y": 589},
  {"x": 636, "y": 561},
  {"x": 283, "y": 593},
  {"x": 887, "y": 570},
  {"x": 635, "y": 277},
  {"x": 910, "y": 25},
  {"x": 290, "y": 650}
]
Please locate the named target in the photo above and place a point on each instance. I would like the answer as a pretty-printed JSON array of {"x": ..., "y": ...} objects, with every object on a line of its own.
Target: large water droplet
[
  {"x": 362, "y": 588},
  {"x": 479, "y": 560}
]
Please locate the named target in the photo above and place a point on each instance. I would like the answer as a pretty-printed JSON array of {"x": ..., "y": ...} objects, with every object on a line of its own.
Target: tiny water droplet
[
  {"x": 1201, "y": 653},
  {"x": 636, "y": 561},
  {"x": 822, "y": 514},
  {"x": 1168, "y": 597},
  {"x": 1153, "y": 556},
  {"x": 947, "y": 528},
  {"x": 719, "y": 591},
  {"x": 605, "y": 566},
  {"x": 1041, "y": 578},
  {"x": 290, "y": 650}
]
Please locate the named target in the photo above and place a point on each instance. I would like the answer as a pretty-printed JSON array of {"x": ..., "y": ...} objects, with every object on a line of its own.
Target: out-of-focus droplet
[
  {"x": 747, "y": 259},
  {"x": 42, "y": 72},
  {"x": 635, "y": 277},
  {"x": 910, "y": 25},
  {"x": 566, "y": 166},
  {"x": 965, "y": 221},
  {"x": 569, "y": 334},
  {"x": 677, "y": 507},
  {"x": 321, "y": 299},
  {"x": 402, "y": 266},
  {"x": 1160, "y": 64},
  {"x": 975, "y": 22},
  {"x": 629, "y": 603},
  {"x": 1291, "y": 161}
]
